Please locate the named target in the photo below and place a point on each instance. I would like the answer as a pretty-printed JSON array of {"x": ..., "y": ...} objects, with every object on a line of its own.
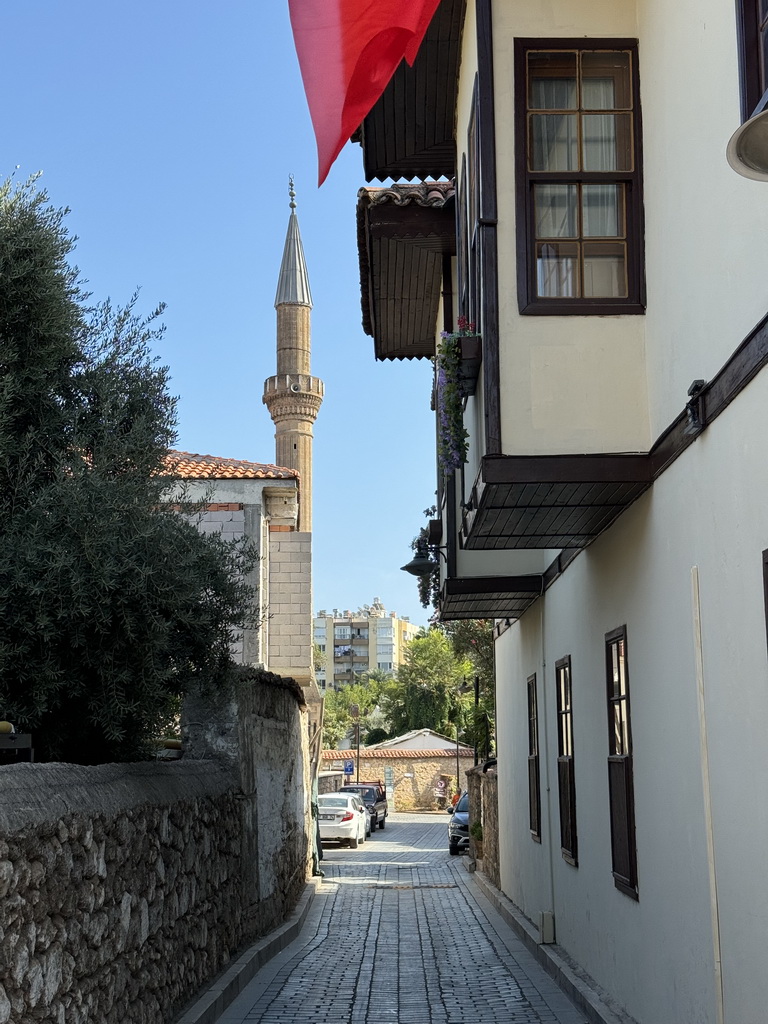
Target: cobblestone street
[{"x": 399, "y": 933}]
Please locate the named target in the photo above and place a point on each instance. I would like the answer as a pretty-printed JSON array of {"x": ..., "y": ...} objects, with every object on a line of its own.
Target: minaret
[{"x": 293, "y": 396}]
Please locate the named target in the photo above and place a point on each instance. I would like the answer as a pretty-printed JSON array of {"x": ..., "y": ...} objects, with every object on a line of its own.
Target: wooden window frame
[
  {"x": 534, "y": 779},
  {"x": 620, "y": 773},
  {"x": 529, "y": 302},
  {"x": 566, "y": 781},
  {"x": 474, "y": 205},
  {"x": 753, "y": 73}
]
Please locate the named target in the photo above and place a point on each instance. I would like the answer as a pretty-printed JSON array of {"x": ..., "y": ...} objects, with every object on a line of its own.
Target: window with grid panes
[
  {"x": 566, "y": 781},
  {"x": 620, "y": 774},
  {"x": 534, "y": 786},
  {"x": 579, "y": 182}
]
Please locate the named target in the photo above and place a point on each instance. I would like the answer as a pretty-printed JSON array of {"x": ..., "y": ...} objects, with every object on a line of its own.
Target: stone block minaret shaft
[{"x": 293, "y": 396}]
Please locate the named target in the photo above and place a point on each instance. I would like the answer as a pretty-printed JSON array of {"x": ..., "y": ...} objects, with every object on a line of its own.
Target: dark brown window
[
  {"x": 752, "y": 26},
  {"x": 534, "y": 788},
  {"x": 620, "y": 778},
  {"x": 579, "y": 179},
  {"x": 565, "y": 778},
  {"x": 462, "y": 244}
]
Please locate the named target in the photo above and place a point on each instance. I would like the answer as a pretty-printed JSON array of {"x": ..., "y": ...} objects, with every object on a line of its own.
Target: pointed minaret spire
[
  {"x": 293, "y": 396},
  {"x": 293, "y": 282}
]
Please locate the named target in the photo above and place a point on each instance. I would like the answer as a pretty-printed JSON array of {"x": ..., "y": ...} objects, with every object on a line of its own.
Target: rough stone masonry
[{"x": 120, "y": 909}]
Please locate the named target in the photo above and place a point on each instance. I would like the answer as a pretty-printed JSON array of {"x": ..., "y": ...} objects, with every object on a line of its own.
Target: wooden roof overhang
[
  {"x": 410, "y": 132},
  {"x": 403, "y": 234},
  {"x": 550, "y": 501},
  {"x": 488, "y": 597}
]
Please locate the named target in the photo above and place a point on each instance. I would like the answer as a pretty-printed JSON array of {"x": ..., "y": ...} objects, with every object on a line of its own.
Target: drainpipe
[
  {"x": 717, "y": 966},
  {"x": 547, "y": 918}
]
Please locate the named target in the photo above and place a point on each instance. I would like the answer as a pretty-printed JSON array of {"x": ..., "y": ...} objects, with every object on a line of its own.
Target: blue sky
[{"x": 170, "y": 128}]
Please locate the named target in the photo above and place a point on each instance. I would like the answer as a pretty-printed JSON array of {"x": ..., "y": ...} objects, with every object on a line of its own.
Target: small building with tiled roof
[
  {"x": 257, "y": 502},
  {"x": 415, "y": 778},
  {"x": 191, "y": 466}
]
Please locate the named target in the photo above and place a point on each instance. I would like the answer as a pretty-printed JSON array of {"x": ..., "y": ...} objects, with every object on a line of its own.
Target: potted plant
[
  {"x": 457, "y": 366},
  {"x": 476, "y": 833}
]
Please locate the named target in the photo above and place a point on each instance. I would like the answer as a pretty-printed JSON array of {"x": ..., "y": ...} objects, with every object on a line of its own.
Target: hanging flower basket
[
  {"x": 458, "y": 362},
  {"x": 470, "y": 357}
]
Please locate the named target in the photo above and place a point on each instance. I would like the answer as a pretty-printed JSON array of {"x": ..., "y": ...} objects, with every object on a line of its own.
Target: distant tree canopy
[
  {"x": 366, "y": 694},
  {"x": 111, "y": 603},
  {"x": 433, "y": 689},
  {"x": 426, "y": 694}
]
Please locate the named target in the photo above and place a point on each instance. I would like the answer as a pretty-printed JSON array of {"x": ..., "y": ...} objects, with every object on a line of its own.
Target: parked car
[
  {"x": 458, "y": 826},
  {"x": 375, "y": 797},
  {"x": 344, "y": 817}
]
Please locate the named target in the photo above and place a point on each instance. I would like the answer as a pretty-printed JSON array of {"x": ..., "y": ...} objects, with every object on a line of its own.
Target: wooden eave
[
  {"x": 550, "y": 501},
  {"x": 404, "y": 232},
  {"x": 488, "y": 597},
  {"x": 410, "y": 132}
]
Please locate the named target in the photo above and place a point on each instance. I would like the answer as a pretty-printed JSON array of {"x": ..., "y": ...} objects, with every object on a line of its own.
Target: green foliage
[
  {"x": 318, "y": 657},
  {"x": 367, "y": 694},
  {"x": 111, "y": 603},
  {"x": 429, "y": 585},
  {"x": 426, "y": 693},
  {"x": 473, "y": 639}
]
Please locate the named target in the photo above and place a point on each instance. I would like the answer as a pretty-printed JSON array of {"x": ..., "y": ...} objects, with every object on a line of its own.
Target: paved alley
[{"x": 399, "y": 933}]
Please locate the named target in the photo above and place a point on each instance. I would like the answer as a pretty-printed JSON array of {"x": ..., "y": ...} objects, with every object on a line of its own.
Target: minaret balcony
[{"x": 291, "y": 395}]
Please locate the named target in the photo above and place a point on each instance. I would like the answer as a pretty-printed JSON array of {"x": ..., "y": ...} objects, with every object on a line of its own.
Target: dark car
[
  {"x": 375, "y": 799},
  {"x": 458, "y": 826}
]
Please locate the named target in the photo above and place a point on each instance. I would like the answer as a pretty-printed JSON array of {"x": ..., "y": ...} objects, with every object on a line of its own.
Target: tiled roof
[
  {"x": 421, "y": 193},
  {"x": 404, "y": 233},
  {"x": 392, "y": 753},
  {"x": 190, "y": 466}
]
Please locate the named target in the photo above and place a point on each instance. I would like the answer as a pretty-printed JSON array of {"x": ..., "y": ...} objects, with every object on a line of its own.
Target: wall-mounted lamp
[
  {"x": 421, "y": 565},
  {"x": 694, "y": 411},
  {"x": 425, "y": 561},
  {"x": 747, "y": 151}
]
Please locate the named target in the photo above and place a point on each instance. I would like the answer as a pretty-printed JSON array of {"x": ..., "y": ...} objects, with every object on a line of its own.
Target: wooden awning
[
  {"x": 403, "y": 234},
  {"x": 409, "y": 133},
  {"x": 551, "y": 501},
  {"x": 488, "y": 597}
]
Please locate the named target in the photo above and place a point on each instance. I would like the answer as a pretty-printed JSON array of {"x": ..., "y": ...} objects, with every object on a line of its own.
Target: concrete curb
[
  {"x": 581, "y": 989},
  {"x": 228, "y": 986}
]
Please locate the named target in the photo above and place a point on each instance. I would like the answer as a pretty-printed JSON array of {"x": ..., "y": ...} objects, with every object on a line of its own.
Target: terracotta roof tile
[
  {"x": 392, "y": 753},
  {"x": 190, "y": 466},
  {"x": 422, "y": 193}
]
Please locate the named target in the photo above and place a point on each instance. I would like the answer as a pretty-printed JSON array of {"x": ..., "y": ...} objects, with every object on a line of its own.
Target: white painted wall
[
  {"x": 613, "y": 384},
  {"x": 573, "y": 384},
  {"x": 656, "y": 954},
  {"x": 706, "y": 248}
]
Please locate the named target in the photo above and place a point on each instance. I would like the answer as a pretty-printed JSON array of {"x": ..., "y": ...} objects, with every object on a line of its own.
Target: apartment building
[{"x": 351, "y": 643}]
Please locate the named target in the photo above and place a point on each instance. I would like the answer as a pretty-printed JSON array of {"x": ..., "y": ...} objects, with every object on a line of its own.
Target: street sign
[{"x": 349, "y": 767}]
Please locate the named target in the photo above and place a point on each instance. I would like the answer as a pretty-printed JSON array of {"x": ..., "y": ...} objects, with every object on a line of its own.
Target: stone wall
[
  {"x": 260, "y": 732},
  {"x": 125, "y": 888},
  {"x": 290, "y": 613},
  {"x": 484, "y": 807},
  {"x": 329, "y": 782},
  {"x": 120, "y": 889},
  {"x": 415, "y": 773}
]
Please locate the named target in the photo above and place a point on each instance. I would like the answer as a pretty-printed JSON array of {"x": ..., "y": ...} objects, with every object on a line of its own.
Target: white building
[
  {"x": 352, "y": 643},
  {"x": 610, "y": 514}
]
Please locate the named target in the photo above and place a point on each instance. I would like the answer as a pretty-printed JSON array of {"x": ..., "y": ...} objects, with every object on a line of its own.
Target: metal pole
[
  {"x": 477, "y": 705},
  {"x": 358, "y": 750},
  {"x": 458, "y": 780}
]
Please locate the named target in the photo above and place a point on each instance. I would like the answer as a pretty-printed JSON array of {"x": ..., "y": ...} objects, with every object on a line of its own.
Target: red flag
[{"x": 348, "y": 51}]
